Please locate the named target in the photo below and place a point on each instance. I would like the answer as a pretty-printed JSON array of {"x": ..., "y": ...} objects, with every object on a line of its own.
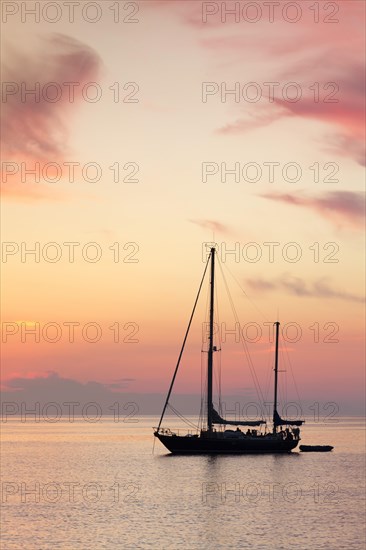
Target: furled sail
[
  {"x": 217, "y": 419},
  {"x": 278, "y": 421}
]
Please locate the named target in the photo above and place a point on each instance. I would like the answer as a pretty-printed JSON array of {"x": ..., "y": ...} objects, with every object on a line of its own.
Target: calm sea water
[{"x": 97, "y": 485}]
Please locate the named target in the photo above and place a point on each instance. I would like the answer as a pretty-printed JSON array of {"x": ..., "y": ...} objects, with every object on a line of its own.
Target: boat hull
[{"x": 206, "y": 445}]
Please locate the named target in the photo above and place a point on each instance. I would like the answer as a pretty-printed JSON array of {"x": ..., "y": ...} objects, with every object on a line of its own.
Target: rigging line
[
  {"x": 207, "y": 309},
  {"x": 204, "y": 405},
  {"x": 286, "y": 361},
  {"x": 204, "y": 345},
  {"x": 201, "y": 404},
  {"x": 292, "y": 374},
  {"x": 285, "y": 378},
  {"x": 182, "y": 417},
  {"x": 217, "y": 370},
  {"x": 280, "y": 382},
  {"x": 247, "y": 296},
  {"x": 244, "y": 345},
  {"x": 269, "y": 377},
  {"x": 254, "y": 377},
  {"x": 184, "y": 343},
  {"x": 283, "y": 386},
  {"x": 200, "y": 421},
  {"x": 203, "y": 353},
  {"x": 218, "y": 362},
  {"x": 281, "y": 394}
]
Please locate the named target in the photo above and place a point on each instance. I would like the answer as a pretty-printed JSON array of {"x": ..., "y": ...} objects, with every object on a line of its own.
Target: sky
[{"x": 135, "y": 132}]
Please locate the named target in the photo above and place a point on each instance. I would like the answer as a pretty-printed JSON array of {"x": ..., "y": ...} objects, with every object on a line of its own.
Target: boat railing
[{"x": 179, "y": 432}]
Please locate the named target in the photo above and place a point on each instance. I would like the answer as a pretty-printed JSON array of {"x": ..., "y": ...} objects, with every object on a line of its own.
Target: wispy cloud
[
  {"x": 120, "y": 384},
  {"x": 251, "y": 121},
  {"x": 298, "y": 287},
  {"x": 212, "y": 225},
  {"x": 323, "y": 53},
  {"x": 52, "y": 385},
  {"x": 342, "y": 208},
  {"x": 341, "y": 106},
  {"x": 72, "y": 398},
  {"x": 326, "y": 51},
  {"x": 35, "y": 127}
]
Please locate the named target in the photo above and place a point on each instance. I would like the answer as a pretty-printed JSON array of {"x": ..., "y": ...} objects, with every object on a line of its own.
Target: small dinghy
[{"x": 316, "y": 448}]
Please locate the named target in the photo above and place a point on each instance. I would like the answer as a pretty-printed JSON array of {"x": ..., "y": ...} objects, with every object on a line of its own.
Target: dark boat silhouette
[
  {"x": 213, "y": 438},
  {"x": 316, "y": 448}
]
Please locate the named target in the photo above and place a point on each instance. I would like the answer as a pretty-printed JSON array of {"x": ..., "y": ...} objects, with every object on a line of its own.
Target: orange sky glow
[{"x": 128, "y": 145}]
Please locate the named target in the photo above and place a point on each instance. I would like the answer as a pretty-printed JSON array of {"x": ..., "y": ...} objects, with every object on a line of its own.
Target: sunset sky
[{"x": 182, "y": 91}]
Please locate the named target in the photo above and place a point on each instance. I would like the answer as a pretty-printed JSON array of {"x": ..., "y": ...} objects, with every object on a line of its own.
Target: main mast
[
  {"x": 211, "y": 347},
  {"x": 277, "y": 325}
]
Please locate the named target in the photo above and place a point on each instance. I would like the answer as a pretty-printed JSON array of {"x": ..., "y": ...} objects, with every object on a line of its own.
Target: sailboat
[{"x": 214, "y": 438}]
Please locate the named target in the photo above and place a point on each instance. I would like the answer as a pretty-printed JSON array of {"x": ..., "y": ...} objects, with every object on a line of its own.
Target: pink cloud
[
  {"x": 322, "y": 46},
  {"x": 342, "y": 208},
  {"x": 212, "y": 225},
  {"x": 35, "y": 127},
  {"x": 15, "y": 381},
  {"x": 322, "y": 52},
  {"x": 342, "y": 106},
  {"x": 261, "y": 117},
  {"x": 338, "y": 101},
  {"x": 298, "y": 287}
]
